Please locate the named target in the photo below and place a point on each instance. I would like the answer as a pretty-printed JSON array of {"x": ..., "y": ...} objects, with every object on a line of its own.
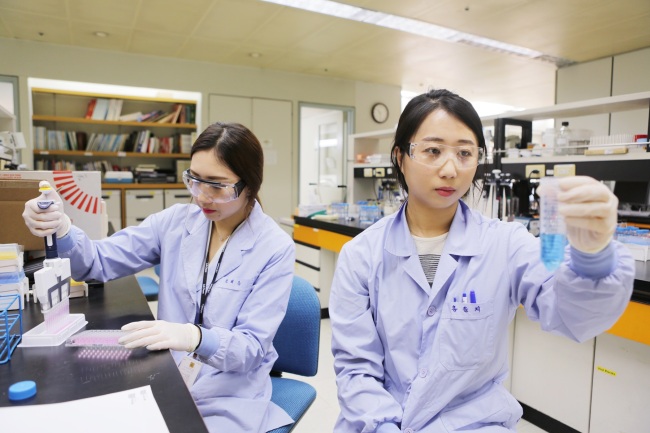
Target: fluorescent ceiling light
[{"x": 417, "y": 27}]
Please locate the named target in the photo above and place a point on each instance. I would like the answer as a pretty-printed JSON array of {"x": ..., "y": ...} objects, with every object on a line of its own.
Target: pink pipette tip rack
[{"x": 99, "y": 344}]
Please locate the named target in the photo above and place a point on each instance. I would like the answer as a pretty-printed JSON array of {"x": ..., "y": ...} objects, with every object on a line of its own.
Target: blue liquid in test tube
[{"x": 552, "y": 228}]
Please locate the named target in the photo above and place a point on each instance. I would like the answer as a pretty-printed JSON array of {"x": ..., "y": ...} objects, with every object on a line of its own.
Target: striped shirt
[{"x": 429, "y": 251}]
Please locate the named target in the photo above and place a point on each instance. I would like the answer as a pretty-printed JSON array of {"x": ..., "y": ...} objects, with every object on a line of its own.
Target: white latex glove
[
  {"x": 159, "y": 335},
  {"x": 589, "y": 209},
  {"x": 44, "y": 222}
]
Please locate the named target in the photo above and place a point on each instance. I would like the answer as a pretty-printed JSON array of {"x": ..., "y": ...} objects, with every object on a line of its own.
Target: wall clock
[{"x": 379, "y": 112}]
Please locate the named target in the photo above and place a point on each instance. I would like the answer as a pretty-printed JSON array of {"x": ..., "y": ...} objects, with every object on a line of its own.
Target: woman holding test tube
[
  {"x": 421, "y": 300},
  {"x": 225, "y": 278}
]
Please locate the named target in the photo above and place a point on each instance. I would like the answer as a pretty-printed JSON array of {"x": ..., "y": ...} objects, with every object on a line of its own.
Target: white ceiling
[{"x": 227, "y": 31}]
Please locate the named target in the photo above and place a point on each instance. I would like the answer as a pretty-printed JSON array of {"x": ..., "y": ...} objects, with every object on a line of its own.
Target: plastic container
[
  {"x": 340, "y": 209},
  {"x": 368, "y": 213},
  {"x": 562, "y": 140},
  {"x": 552, "y": 227}
]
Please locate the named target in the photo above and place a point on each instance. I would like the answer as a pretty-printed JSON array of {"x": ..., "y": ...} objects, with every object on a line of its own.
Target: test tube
[{"x": 552, "y": 228}]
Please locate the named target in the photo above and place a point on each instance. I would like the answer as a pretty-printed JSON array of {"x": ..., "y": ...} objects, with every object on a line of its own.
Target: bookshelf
[
  {"x": 71, "y": 132},
  {"x": 124, "y": 122}
]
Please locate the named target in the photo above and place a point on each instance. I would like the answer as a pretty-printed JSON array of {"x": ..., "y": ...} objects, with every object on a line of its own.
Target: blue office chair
[
  {"x": 149, "y": 286},
  {"x": 297, "y": 343}
]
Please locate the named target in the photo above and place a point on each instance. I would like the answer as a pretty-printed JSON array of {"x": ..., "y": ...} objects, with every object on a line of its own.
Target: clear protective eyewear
[
  {"x": 217, "y": 192},
  {"x": 436, "y": 155}
]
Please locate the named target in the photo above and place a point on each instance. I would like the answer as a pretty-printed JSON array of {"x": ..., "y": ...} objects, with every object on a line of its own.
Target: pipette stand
[{"x": 52, "y": 285}]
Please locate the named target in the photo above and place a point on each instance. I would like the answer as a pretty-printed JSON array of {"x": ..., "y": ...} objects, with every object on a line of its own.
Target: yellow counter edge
[
  {"x": 634, "y": 324},
  {"x": 320, "y": 238}
]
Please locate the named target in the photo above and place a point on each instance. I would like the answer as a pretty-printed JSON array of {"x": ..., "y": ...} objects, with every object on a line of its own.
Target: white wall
[{"x": 40, "y": 60}]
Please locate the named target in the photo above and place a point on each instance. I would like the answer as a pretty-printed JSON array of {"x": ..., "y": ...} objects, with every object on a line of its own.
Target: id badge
[{"x": 190, "y": 369}]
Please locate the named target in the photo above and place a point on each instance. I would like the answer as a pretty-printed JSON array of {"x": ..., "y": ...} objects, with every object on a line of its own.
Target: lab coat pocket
[
  {"x": 466, "y": 335},
  {"x": 226, "y": 300}
]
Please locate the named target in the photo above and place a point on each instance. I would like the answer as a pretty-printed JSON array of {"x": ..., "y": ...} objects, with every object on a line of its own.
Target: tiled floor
[{"x": 322, "y": 414}]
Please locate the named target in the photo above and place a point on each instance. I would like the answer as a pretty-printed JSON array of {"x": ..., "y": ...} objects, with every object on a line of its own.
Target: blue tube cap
[{"x": 22, "y": 390}]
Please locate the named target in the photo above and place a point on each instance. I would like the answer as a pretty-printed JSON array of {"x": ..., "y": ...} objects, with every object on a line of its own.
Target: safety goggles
[
  {"x": 217, "y": 192},
  {"x": 436, "y": 155}
]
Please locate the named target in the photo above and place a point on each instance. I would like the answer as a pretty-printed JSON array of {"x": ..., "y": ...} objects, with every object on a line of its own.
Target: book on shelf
[
  {"x": 131, "y": 117},
  {"x": 82, "y": 140},
  {"x": 177, "y": 113},
  {"x": 101, "y": 109},
  {"x": 146, "y": 117},
  {"x": 114, "y": 109},
  {"x": 185, "y": 143},
  {"x": 167, "y": 118},
  {"x": 146, "y": 168},
  {"x": 90, "y": 108}
]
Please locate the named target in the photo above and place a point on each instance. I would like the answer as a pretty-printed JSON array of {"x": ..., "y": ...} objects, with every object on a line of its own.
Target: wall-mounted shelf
[
  {"x": 610, "y": 104},
  {"x": 568, "y": 159},
  {"x": 93, "y": 154},
  {"x": 77, "y": 120}
]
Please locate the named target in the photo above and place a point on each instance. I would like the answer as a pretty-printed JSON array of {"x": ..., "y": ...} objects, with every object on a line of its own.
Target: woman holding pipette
[
  {"x": 225, "y": 278},
  {"x": 421, "y": 300}
]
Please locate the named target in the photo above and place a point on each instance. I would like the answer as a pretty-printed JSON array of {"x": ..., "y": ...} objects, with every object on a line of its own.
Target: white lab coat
[
  {"x": 406, "y": 353},
  {"x": 244, "y": 309}
]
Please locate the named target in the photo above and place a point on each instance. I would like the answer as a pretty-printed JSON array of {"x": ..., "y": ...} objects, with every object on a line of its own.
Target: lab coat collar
[
  {"x": 463, "y": 239},
  {"x": 193, "y": 247}
]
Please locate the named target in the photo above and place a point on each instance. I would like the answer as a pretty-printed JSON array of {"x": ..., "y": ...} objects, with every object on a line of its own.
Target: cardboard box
[{"x": 80, "y": 191}]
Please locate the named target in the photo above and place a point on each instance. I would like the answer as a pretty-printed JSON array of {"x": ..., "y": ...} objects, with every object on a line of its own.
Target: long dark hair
[
  {"x": 418, "y": 109},
  {"x": 238, "y": 148}
]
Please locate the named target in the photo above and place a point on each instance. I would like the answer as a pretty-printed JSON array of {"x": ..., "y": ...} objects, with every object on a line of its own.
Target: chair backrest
[{"x": 298, "y": 337}]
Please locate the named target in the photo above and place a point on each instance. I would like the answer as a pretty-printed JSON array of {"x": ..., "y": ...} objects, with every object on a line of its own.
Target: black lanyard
[{"x": 205, "y": 291}]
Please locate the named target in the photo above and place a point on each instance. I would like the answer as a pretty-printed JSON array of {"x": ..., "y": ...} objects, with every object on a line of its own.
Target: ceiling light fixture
[
  {"x": 101, "y": 34},
  {"x": 417, "y": 27},
  {"x": 255, "y": 55}
]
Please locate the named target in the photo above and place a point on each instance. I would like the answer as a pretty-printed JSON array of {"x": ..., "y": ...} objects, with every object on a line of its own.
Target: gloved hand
[
  {"x": 589, "y": 209},
  {"x": 44, "y": 222},
  {"x": 159, "y": 334}
]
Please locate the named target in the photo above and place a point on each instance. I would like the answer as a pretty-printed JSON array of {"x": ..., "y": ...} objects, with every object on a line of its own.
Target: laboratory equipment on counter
[
  {"x": 11, "y": 325},
  {"x": 552, "y": 227},
  {"x": 100, "y": 344},
  {"x": 369, "y": 213},
  {"x": 10, "y": 143},
  {"x": 340, "y": 210},
  {"x": 52, "y": 290},
  {"x": 498, "y": 195}
]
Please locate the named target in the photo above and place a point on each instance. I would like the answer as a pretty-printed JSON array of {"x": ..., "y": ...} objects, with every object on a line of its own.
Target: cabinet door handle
[
  {"x": 182, "y": 196},
  {"x": 143, "y": 196},
  {"x": 139, "y": 219}
]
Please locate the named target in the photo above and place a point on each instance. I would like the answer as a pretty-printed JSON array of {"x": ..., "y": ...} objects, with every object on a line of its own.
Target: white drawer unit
[
  {"x": 310, "y": 274},
  {"x": 174, "y": 196},
  {"x": 141, "y": 203},
  {"x": 113, "y": 200},
  {"x": 308, "y": 255}
]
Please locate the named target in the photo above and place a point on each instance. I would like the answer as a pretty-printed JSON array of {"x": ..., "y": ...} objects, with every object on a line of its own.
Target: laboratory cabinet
[
  {"x": 129, "y": 204},
  {"x": 141, "y": 203},
  {"x": 271, "y": 121},
  {"x": 113, "y": 200},
  {"x": 621, "y": 386},
  {"x": 176, "y": 196},
  {"x": 552, "y": 373},
  {"x": 316, "y": 255},
  {"x": 308, "y": 264}
]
